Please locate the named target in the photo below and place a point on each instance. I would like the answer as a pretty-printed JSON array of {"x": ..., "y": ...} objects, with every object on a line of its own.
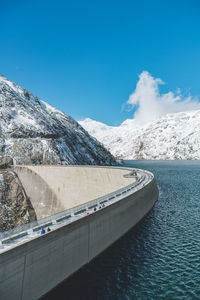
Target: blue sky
[{"x": 84, "y": 57}]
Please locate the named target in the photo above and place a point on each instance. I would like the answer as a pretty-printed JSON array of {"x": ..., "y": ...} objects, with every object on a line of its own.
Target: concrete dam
[{"x": 87, "y": 209}]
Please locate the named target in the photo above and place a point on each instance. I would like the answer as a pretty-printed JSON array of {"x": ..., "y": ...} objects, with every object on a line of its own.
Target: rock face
[
  {"x": 32, "y": 131},
  {"x": 15, "y": 207},
  {"x": 5, "y": 162},
  {"x": 174, "y": 136}
]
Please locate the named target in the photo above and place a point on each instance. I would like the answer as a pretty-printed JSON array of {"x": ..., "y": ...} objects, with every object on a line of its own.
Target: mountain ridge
[
  {"x": 173, "y": 136},
  {"x": 32, "y": 131}
]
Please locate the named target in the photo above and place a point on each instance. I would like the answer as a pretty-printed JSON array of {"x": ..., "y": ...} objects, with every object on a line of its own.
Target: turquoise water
[{"x": 160, "y": 257}]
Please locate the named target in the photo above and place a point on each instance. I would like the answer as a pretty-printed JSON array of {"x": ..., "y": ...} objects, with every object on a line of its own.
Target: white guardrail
[{"x": 70, "y": 215}]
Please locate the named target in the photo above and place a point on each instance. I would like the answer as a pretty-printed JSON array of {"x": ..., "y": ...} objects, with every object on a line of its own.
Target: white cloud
[{"x": 152, "y": 105}]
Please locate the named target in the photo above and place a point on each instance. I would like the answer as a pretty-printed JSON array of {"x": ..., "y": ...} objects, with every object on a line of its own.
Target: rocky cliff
[{"x": 15, "y": 207}]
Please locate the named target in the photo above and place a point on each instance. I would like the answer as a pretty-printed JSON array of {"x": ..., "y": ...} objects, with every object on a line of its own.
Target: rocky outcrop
[
  {"x": 15, "y": 207},
  {"x": 5, "y": 162}
]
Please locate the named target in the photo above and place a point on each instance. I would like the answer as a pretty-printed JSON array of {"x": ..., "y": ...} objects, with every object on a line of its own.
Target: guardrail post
[{"x": 30, "y": 231}]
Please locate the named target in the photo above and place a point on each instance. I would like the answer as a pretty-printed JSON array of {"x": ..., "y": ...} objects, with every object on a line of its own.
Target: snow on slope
[
  {"x": 32, "y": 131},
  {"x": 173, "y": 136}
]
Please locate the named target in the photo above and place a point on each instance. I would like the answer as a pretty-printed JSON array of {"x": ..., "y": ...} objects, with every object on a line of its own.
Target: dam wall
[
  {"x": 34, "y": 268},
  {"x": 52, "y": 189}
]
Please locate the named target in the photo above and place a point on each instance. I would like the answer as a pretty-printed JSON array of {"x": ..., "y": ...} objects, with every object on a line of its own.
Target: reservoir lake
[{"x": 160, "y": 257}]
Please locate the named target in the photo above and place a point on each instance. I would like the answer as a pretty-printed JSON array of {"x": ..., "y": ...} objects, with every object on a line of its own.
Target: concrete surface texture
[
  {"x": 34, "y": 268},
  {"x": 52, "y": 189}
]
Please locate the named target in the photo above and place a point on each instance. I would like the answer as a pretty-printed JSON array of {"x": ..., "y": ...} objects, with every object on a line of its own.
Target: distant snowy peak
[
  {"x": 94, "y": 126},
  {"x": 32, "y": 131},
  {"x": 174, "y": 136}
]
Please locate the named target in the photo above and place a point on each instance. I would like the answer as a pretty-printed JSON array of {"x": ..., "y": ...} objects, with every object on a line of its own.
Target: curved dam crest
[
  {"x": 52, "y": 189},
  {"x": 32, "y": 268}
]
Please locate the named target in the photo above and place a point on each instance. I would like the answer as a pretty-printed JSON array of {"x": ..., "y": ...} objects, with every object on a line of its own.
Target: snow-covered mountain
[
  {"x": 32, "y": 131},
  {"x": 173, "y": 136}
]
